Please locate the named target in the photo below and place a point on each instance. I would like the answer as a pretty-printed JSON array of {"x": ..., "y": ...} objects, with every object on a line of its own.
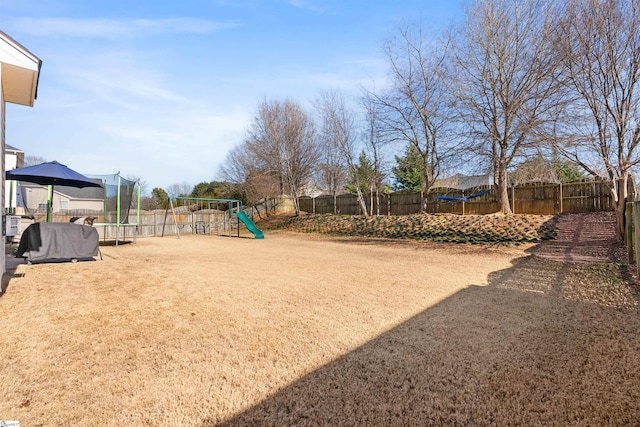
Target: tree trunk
[
  {"x": 296, "y": 204},
  {"x": 621, "y": 206},
  {"x": 255, "y": 208},
  {"x": 363, "y": 204},
  {"x": 502, "y": 190},
  {"x": 423, "y": 202},
  {"x": 371, "y": 200}
]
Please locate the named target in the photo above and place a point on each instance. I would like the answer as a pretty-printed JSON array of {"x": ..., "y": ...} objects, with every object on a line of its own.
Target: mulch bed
[{"x": 479, "y": 229}]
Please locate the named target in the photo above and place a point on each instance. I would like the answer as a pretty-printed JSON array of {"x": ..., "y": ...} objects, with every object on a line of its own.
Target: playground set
[{"x": 209, "y": 216}]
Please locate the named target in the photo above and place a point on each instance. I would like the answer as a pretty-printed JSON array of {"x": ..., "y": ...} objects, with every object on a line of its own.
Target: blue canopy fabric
[
  {"x": 461, "y": 198},
  {"x": 51, "y": 173}
]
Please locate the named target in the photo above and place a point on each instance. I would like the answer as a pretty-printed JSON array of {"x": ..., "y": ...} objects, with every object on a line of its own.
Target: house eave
[{"x": 20, "y": 72}]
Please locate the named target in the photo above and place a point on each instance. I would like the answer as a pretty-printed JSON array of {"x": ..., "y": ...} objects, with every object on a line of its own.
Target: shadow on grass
[
  {"x": 115, "y": 243},
  {"x": 11, "y": 264},
  {"x": 528, "y": 349},
  {"x": 6, "y": 279}
]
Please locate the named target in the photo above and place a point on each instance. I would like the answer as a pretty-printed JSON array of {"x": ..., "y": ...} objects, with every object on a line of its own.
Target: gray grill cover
[{"x": 58, "y": 240}]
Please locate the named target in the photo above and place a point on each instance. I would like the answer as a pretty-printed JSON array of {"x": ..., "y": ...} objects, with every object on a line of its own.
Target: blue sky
[{"x": 162, "y": 90}]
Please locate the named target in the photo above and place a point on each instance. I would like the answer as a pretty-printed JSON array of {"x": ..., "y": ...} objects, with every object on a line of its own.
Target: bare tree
[
  {"x": 256, "y": 181},
  {"x": 534, "y": 169},
  {"x": 33, "y": 160},
  {"x": 144, "y": 187},
  {"x": 375, "y": 141},
  {"x": 237, "y": 164},
  {"x": 599, "y": 46},
  {"x": 338, "y": 131},
  {"x": 282, "y": 137},
  {"x": 416, "y": 109},
  {"x": 504, "y": 80},
  {"x": 179, "y": 190},
  {"x": 332, "y": 169}
]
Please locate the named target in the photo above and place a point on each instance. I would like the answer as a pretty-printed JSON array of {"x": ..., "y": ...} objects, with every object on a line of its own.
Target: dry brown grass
[{"x": 306, "y": 330}]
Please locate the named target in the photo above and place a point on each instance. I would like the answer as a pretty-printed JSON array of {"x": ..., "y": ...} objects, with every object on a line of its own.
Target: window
[{"x": 63, "y": 205}]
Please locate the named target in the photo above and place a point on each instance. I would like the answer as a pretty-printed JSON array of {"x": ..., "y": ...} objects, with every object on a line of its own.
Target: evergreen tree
[
  {"x": 160, "y": 198},
  {"x": 208, "y": 190},
  {"x": 566, "y": 170},
  {"x": 408, "y": 171},
  {"x": 365, "y": 173}
]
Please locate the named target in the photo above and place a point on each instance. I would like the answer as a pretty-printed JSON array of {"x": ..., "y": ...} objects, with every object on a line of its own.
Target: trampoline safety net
[
  {"x": 118, "y": 196},
  {"x": 113, "y": 201}
]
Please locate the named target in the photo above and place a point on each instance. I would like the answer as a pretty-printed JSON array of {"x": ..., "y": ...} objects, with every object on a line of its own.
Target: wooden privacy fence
[
  {"x": 542, "y": 199},
  {"x": 162, "y": 222},
  {"x": 152, "y": 224}
]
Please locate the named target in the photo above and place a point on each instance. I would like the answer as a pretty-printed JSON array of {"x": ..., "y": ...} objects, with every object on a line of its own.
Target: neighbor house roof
[
  {"x": 11, "y": 149},
  {"x": 88, "y": 193},
  {"x": 20, "y": 72},
  {"x": 462, "y": 182}
]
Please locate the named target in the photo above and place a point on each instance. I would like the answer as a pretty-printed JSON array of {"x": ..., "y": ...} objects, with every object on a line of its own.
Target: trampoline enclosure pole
[
  {"x": 138, "y": 207},
  {"x": 118, "y": 207}
]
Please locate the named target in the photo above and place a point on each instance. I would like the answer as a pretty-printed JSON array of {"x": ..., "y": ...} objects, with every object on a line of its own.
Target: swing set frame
[{"x": 234, "y": 206}]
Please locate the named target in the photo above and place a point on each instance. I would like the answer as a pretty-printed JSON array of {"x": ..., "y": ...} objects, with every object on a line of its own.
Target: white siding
[
  {"x": 4, "y": 217},
  {"x": 36, "y": 198},
  {"x": 19, "y": 71},
  {"x": 10, "y": 163}
]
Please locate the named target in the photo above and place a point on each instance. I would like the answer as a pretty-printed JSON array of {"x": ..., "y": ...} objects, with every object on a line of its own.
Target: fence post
[{"x": 561, "y": 207}]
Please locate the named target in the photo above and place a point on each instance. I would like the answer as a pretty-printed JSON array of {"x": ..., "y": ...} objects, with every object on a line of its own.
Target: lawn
[{"x": 302, "y": 329}]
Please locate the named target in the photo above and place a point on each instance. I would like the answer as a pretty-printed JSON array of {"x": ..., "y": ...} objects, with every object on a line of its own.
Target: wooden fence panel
[
  {"x": 542, "y": 199},
  {"x": 537, "y": 199},
  {"x": 347, "y": 204},
  {"x": 405, "y": 203},
  {"x": 436, "y": 206},
  {"x": 480, "y": 205},
  {"x": 307, "y": 204},
  {"x": 325, "y": 205},
  {"x": 151, "y": 223},
  {"x": 582, "y": 197}
]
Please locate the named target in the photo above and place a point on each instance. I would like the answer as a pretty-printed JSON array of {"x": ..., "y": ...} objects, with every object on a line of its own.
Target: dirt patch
[
  {"x": 305, "y": 329},
  {"x": 584, "y": 238}
]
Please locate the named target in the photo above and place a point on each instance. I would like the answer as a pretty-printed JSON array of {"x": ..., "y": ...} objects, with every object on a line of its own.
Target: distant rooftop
[
  {"x": 88, "y": 193},
  {"x": 462, "y": 182},
  {"x": 8, "y": 147}
]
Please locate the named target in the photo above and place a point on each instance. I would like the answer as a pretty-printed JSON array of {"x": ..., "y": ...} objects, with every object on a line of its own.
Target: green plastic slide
[{"x": 250, "y": 225}]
